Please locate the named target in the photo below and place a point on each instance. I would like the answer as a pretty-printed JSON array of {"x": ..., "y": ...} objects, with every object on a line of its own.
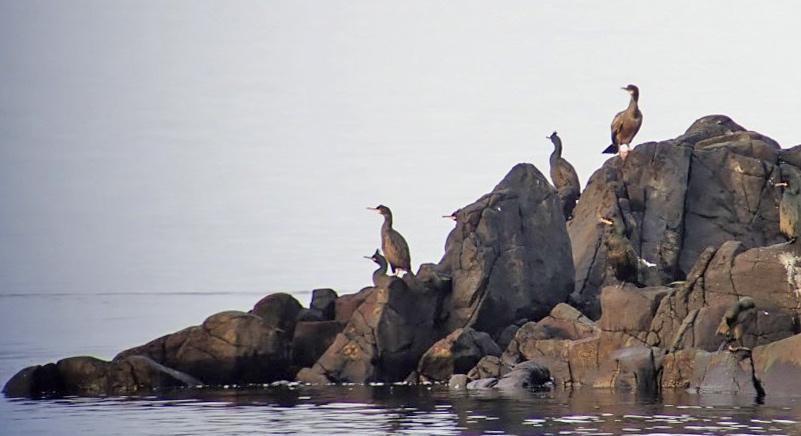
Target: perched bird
[
  {"x": 395, "y": 248},
  {"x": 380, "y": 277},
  {"x": 790, "y": 205},
  {"x": 620, "y": 254},
  {"x": 736, "y": 321},
  {"x": 625, "y": 125},
  {"x": 564, "y": 178}
]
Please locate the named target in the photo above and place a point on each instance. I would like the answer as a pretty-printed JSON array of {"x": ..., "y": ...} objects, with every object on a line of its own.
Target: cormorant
[
  {"x": 564, "y": 178},
  {"x": 395, "y": 248},
  {"x": 625, "y": 125},
  {"x": 620, "y": 254},
  {"x": 380, "y": 277},
  {"x": 790, "y": 206},
  {"x": 740, "y": 316}
]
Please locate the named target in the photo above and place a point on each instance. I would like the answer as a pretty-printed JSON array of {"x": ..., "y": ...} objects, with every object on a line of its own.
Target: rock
[
  {"x": 456, "y": 353},
  {"x": 458, "y": 381},
  {"x": 35, "y": 381},
  {"x": 278, "y": 310},
  {"x": 679, "y": 368},
  {"x": 484, "y": 383},
  {"x": 347, "y": 304},
  {"x": 526, "y": 375},
  {"x": 509, "y": 255},
  {"x": 690, "y": 315},
  {"x": 324, "y": 302},
  {"x": 507, "y": 335},
  {"x": 727, "y": 373},
  {"x": 633, "y": 368},
  {"x": 489, "y": 366},
  {"x": 791, "y": 156},
  {"x": 629, "y": 309},
  {"x": 385, "y": 337},
  {"x": 777, "y": 366},
  {"x": 708, "y": 186},
  {"x": 311, "y": 340},
  {"x": 86, "y": 375},
  {"x": 228, "y": 348},
  {"x": 312, "y": 376}
]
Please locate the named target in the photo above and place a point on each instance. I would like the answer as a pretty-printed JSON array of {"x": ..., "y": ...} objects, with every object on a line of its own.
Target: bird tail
[{"x": 612, "y": 149}]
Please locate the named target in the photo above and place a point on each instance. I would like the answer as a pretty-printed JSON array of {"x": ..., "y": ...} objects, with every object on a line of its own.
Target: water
[{"x": 35, "y": 331}]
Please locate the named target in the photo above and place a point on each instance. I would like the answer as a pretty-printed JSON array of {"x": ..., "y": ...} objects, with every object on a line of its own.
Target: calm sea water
[{"x": 37, "y": 330}]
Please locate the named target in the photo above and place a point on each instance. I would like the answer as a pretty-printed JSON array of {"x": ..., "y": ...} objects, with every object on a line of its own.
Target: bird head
[
  {"x": 376, "y": 257},
  {"x": 381, "y": 209},
  {"x": 633, "y": 90},
  {"x": 555, "y": 139}
]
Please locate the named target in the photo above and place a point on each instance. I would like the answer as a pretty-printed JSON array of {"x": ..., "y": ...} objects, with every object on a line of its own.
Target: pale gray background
[{"x": 171, "y": 146}]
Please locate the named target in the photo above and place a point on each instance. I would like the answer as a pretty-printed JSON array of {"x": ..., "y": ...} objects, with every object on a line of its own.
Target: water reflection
[{"x": 401, "y": 409}]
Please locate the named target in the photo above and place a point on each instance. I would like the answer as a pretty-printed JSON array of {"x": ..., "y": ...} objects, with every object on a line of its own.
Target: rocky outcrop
[
  {"x": 228, "y": 348},
  {"x": 509, "y": 255},
  {"x": 456, "y": 353},
  {"x": 708, "y": 186},
  {"x": 90, "y": 376},
  {"x": 384, "y": 339},
  {"x": 689, "y": 316}
]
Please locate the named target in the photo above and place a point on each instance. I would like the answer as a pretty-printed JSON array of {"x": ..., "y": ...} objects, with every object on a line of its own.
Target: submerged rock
[{"x": 457, "y": 353}]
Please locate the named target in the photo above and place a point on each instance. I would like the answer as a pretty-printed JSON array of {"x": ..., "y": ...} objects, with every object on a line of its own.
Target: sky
[{"x": 233, "y": 146}]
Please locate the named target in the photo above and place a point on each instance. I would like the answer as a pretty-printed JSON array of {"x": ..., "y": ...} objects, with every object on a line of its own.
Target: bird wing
[
  {"x": 566, "y": 177},
  {"x": 617, "y": 126},
  {"x": 397, "y": 253}
]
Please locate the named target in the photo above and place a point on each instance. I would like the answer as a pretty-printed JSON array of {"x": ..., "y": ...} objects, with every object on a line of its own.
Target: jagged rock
[
  {"x": 278, "y": 310},
  {"x": 509, "y": 255},
  {"x": 689, "y": 316},
  {"x": 456, "y": 353},
  {"x": 385, "y": 337},
  {"x": 324, "y": 302},
  {"x": 86, "y": 375},
  {"x": 778, "y": 366},
  {"x": 228, "y": 348},
  {"x": 726, "y": 373},
  {"x": 710, "y": 185},
  {"x": 489, "y": 366},
  {"x": 311, "y": 339}
]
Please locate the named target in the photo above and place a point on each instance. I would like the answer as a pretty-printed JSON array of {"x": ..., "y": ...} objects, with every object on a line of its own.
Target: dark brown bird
[
  {"x": 564, "y": 178},
  {"x": 790, "y": 205},
  {"x": 380, "y": 277},
  {"x": 394, "y": 246},
  {"x": 625, "y": 125},
  {"x": 620, "y": 254},
  {"x": 736, "y": 321}
]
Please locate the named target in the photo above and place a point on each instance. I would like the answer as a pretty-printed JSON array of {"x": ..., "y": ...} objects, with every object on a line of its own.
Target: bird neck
[
  {"x": 557, "y": 151},
  {"x": 380, "y": 272},
  {"x": 635, "y": 97},
  {"x": 387, "y": 223}
]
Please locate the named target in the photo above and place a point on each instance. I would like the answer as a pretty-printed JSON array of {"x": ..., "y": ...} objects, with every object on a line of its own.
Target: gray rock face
[
  {"x": 690, "y": 315},
  {"x": 229, "y": 347},
  {"x": 90, "y": 376},
  {"x": 384, "y": 338},
  {"x": 509, "y": 255},
  {"x": 710, "y": 185},
  {"x": 456, "y": 353}
]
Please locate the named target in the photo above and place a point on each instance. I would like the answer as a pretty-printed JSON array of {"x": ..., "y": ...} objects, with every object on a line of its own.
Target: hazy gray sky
[{"x": 234, "y": 145}]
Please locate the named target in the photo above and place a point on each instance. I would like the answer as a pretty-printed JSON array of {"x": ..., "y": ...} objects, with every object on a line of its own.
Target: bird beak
[
  {"x": 372, "y": 208},
  {"x": 368, "y": 257},
  {"x": 783, "y": 184},
  {"x": 451, "y": 217},
  {"x": 605, "y": 221}
]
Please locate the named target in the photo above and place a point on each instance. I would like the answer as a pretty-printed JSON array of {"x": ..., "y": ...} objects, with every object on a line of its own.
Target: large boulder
[
  {"x": 690, "y": 315},
  {"x": 228, "y": 348},
  {"x": 726, "y": 373},
  {"x": 86, "y": 375},
  {"x": 311, "y": 339},
  {"x": 777, "y": 366},
  {"x": 509, "y": 256},
  {"x": 384, "y": 338},
  {"x": 676, "y": 197},
  {"x": 279, "y": 310},
  {"x": 456, "y": 353}
]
